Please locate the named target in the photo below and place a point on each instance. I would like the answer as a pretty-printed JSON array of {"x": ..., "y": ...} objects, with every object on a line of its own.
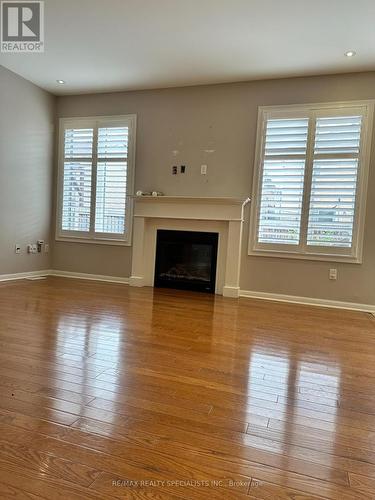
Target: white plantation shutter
[
  {"x": 111, "y": 180},
  {"x": 334, "y": 181},
  {"x": 77, "y": 179},
  {"x": 282, "y": 181},
  {"x": 96, "y": 178},
  {"x": 311, "y": 184}
]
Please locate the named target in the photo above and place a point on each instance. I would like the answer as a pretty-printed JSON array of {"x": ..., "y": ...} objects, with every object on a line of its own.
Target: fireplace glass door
[{"x": 186, "y": 260}]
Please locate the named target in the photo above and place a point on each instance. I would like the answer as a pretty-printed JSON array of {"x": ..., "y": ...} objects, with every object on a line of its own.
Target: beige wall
[
  {"x": 222, "y": 118},
  {"x": 26, "y": 167}
]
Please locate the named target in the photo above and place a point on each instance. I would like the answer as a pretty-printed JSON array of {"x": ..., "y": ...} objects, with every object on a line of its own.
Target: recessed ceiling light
[
  {"x": 350, "y": 53},
  {"x": 61, "y": 82}
]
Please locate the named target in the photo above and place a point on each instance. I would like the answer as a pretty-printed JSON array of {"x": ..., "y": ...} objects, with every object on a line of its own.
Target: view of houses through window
[
  {"x": 308, "y": 181},
  {"x": 94, "y": 179}
]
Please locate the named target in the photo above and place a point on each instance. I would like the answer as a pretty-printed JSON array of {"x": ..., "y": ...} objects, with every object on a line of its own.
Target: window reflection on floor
[
  {"x": 92, "y": 344},
  {"x": 291, "y": 393}
]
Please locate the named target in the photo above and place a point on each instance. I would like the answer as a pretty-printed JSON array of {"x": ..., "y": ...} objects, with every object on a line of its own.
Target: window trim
[
  {"x": 318, "y": 253},
  {"x": 92, "y": 237}
]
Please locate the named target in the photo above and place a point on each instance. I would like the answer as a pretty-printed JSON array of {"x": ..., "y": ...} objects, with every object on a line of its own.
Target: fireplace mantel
[
  {"x": 193, "y": 199},
  {"x": 222, "y": 215}
]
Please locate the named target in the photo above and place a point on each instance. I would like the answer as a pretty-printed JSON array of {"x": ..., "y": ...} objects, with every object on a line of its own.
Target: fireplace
[
  {"x": 223, "y": 216},
  {"x": 186, "y": 260}
]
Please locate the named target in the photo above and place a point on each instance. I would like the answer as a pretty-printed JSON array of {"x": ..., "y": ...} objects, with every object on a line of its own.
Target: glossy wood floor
[{"x": 108, "y": 392}]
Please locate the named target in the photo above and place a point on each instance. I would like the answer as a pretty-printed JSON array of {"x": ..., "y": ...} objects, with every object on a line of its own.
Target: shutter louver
[
  {"x": 111, "y": 180},
  {"x": 77, "y": 173},
  {"x": 282, "y": 181},
  {"x": 334, "y": 181}
]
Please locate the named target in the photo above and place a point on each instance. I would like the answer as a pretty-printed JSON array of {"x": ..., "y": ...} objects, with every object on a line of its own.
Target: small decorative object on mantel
[
  {"x": 143, "y": 193},
  {"x": 149, "y": 193}
]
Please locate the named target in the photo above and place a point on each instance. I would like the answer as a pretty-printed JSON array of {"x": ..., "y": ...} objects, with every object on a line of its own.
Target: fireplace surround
[{"x": 224, "y": 216}]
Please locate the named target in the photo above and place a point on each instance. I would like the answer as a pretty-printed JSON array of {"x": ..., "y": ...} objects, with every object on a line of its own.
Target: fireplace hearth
[{"x": 186, "y": 260}]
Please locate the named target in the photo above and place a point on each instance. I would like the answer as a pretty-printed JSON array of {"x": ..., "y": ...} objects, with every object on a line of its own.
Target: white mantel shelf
[
  {"x": 193, "y": 199},
  {"x": 188, "y": 207},
  {"x": 186, "y": 213}
]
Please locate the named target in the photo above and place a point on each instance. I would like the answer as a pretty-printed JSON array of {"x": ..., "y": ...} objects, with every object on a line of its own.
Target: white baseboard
[
  {"x": 309, "y": 301},
  {"x": 91, "y": 277},
  {"x": 26, "y": 275},
  {"x": 231, "y": 291},
  {"x": 136, "y": 281},
  {"x": 63, "y": 274}
]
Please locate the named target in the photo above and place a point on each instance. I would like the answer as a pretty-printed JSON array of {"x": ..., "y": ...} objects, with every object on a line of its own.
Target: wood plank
[
  {"x": 25, "y": 483},
  {"x": 269, "y": 491}
]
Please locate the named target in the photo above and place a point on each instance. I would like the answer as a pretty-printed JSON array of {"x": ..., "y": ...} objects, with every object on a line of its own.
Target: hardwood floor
[{"x": 108, "y": 392}]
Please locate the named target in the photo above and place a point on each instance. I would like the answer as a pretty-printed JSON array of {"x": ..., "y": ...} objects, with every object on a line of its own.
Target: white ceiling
[{"x": 108, "y": 45}]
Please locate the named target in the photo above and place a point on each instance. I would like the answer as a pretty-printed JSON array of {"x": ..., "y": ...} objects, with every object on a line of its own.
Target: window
[
  {"x": 310, "y": 181},
  {"x": 96, "y": 172}
]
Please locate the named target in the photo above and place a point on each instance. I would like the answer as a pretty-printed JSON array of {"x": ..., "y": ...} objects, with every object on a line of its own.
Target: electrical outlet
[
  {"x": 46, "y": 248},
  {"x": 203, "y": 169},
  {"x": 17, "y": 248},
  {"x": 29, "y": 249},
  {"x": 174, "y": 170},
  {"x": 40, "y": 244},
  {"x": 333, "y": 274}
]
